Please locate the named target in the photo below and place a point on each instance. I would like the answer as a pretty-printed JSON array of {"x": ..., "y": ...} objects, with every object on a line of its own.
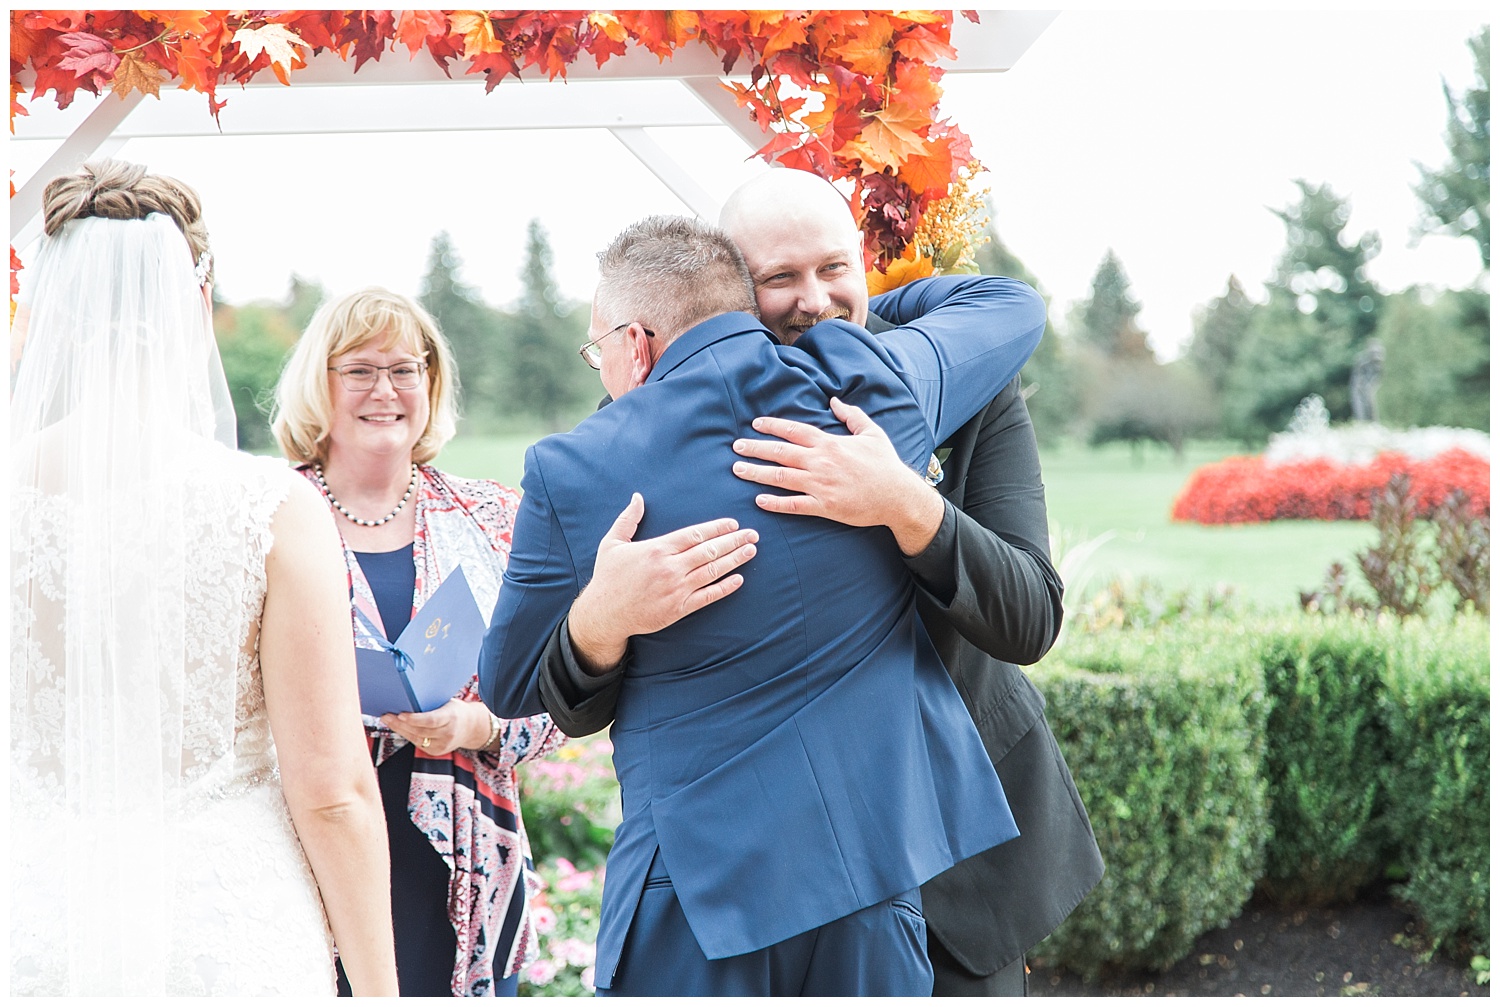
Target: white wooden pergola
[{"x": 627, "y": 96}]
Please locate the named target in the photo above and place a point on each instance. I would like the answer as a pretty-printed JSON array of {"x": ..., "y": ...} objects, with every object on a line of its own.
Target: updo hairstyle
[{"x": 120, "y": 190}]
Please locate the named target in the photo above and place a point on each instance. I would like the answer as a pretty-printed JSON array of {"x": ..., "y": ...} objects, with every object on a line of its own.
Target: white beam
[
  {"x": 394, "y": 108},
  {"x": 84, "y": 143},
  {"x": 665, "y": 167}
]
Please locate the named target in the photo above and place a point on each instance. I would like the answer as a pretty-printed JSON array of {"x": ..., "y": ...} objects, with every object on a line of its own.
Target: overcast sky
[{"x": 1165, "y": 136}]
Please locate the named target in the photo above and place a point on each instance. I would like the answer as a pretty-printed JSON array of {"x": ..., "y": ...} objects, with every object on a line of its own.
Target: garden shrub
[
  {"x": 1247, "y": 489},
  {"x": 565, "y": 911},
  {"x": 570, "y": 802},
  {"x": 1164, "y": 733},
  {"x": 1438, "y": 783},
  {"x": 1326, "y": 743}
]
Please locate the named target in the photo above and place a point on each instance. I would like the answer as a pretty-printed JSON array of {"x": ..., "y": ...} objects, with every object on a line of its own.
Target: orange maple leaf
[
  {"x": 476, "y": 30},
  {"x": 183, "y": 22},
  {"x": 815, "y": 121},
  {"x": 869, "y": 52},
  {"x": 136, "y": 74},
  {"x": 790, "y": 30},
  {"x": 914, "y": 86},
  {"x": 926, "y": 46},
  {"x": 889, "y": 138},
  {"x": 931, "y": 171},
  {"x": 918, "y": 16}
]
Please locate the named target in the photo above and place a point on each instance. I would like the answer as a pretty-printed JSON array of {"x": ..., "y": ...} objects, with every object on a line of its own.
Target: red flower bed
[{"x": 1242, "y": 490}]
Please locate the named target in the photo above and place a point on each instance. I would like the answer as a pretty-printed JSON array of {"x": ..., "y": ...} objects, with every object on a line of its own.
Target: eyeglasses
[
  {"x": 362, "y": 377},
  {"x": 594, "y": 356}
]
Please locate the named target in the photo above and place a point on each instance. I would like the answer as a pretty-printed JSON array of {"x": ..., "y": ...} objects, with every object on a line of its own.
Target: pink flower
[
  {"x": 588, "y": 978},
  {"x": 573, "y": 951},
  {"x": 540, "y": 972},
  {"x": 576, "y": 881},
  {"x": 544, "y": 919}
]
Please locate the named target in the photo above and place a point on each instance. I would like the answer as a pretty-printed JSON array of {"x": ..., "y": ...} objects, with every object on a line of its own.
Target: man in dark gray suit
[{"x": 978, "y": 553}]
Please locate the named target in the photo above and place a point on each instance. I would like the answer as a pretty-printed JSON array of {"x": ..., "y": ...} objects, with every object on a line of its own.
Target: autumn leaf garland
[{"x": 848, "y": 94}]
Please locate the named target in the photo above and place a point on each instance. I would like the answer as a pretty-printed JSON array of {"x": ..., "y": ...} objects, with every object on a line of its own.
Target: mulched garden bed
[{"x": 1368, "y": 948}]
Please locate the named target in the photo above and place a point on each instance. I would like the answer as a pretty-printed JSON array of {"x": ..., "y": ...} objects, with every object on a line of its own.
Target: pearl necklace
[{"x": 323, "y": 485}]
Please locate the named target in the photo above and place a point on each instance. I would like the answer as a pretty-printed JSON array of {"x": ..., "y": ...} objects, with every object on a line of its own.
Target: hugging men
[{"x": 794, "y": 761}]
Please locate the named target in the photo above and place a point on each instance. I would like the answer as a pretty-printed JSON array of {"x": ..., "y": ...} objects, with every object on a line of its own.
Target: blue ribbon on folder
[{"x": 431, "y": 661}]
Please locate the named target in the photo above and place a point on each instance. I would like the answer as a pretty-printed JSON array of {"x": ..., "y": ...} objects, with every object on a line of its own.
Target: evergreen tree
[
  {"x": 1456, "y": 197},
  {"x": 1437, "y": 360},
  {"x": 545, "y": 378},
  {"x": 1321, "y": 309},
  {"x": 1219, "y": 332},
  {"x": 1108, "y": 319},
  {"x": 1048, "y": 380},
  {"x": 1323, "y": 270},
  {"x": 473, "y": 330}
]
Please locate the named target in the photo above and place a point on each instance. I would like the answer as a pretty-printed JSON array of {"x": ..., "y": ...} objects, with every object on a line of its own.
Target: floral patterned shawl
[{"x": 467, "y": 803}]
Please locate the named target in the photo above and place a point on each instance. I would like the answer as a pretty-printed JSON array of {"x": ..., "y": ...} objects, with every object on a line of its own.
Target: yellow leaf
[
  {"x": 477, "y": 31},
  {"x": 136, "y": 74},
  {"x": 609, "y": 24},
  {"x": 918, "y": 16},
  {"x": 274, "y": 40},
  {"x": 890, "y": 138},
  {"x": 900, "y": 272}
]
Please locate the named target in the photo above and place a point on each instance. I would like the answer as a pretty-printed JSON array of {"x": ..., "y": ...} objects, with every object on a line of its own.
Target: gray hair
[{"x": 669, "y": 274}]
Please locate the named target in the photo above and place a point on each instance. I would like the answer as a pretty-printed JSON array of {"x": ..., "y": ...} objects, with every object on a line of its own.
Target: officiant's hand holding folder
[{"x": 432, "y": 659}]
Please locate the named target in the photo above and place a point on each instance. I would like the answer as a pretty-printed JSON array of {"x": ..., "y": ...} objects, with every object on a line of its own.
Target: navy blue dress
[{"x": 425, "y": 942}]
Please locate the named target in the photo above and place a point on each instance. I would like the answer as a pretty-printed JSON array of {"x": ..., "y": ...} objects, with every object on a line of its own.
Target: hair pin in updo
[{"x": 204, "y": 266}]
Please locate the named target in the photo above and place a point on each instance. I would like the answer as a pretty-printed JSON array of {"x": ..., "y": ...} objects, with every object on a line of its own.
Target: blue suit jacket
[{"x": 796, "y": 752}]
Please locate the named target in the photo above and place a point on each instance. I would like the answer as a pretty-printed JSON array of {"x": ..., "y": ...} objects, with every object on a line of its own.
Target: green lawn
[{"x": 1094, "y": 491}]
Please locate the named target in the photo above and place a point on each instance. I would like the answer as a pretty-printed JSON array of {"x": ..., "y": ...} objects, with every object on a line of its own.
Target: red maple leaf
[
  {"x": 416, "y": 28},
  {"x": 89, "y": 56}
]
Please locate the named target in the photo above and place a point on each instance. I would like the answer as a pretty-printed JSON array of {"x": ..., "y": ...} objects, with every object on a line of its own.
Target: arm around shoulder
[{"x": 312, "y": 701}]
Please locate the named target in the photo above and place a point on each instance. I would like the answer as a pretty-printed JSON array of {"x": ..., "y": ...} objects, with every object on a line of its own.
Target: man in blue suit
[{"x": 794, "y": 762}]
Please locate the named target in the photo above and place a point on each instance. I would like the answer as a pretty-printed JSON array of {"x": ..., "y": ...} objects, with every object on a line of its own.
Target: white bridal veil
[{"x": 118, "y": 401}]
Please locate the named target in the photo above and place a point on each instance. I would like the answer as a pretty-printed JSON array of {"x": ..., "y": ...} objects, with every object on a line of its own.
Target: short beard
[{"x": 797, "y": 324}]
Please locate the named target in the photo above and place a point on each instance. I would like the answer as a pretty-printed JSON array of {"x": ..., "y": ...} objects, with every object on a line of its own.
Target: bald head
[{"x": 806, "y": 257}]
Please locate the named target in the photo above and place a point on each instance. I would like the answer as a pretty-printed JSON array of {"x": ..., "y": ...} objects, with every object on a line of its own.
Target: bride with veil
[{"x": 192, "y": 807}]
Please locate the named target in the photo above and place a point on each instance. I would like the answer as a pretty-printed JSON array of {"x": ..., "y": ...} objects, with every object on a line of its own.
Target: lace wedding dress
[{"x": 137, "y": 871}]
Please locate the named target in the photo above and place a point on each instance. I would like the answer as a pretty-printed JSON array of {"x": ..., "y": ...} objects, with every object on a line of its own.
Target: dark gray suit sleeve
[
  {"x": 580, "y": 704},
  {"x": 988, "y": 570}
]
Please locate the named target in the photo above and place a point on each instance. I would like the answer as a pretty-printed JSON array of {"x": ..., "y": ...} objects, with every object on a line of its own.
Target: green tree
[
  {"x": 1049, "y": 380},
  {"x": 1137, "y": 399},
  {"x": 1323, "y": 270},
  {"x": 1321, "y": 309},
  {"x": 474, "y": 330},
  {"x": 1107, "y": 321},
  {"x": 1456, "y": 197},
  {"x": 544, "y": 376},
  {"x": 1437, "y": 360},
  {"x": 253, "y": 343},
  {"x": 1219, "y": 332}
]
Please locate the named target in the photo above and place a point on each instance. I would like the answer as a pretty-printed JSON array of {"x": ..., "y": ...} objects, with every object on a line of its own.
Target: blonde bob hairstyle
[{"x": 303, "y": 410}]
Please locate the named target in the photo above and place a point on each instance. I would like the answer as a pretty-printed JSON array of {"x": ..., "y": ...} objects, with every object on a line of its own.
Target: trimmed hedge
[
  {"x": 1326, "y": 743},
  {"x": 1307, "y": 754},
  {"x": 1438, "y": 785},
  {"x": 1164, "y": 737}
]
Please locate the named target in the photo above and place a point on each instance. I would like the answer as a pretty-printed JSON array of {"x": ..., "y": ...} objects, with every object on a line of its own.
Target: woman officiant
[{"x": 365, "y": 403}]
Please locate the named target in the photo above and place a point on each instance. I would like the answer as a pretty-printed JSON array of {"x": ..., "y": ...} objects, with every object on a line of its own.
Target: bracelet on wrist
[{"x": 496, "y": 726}]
